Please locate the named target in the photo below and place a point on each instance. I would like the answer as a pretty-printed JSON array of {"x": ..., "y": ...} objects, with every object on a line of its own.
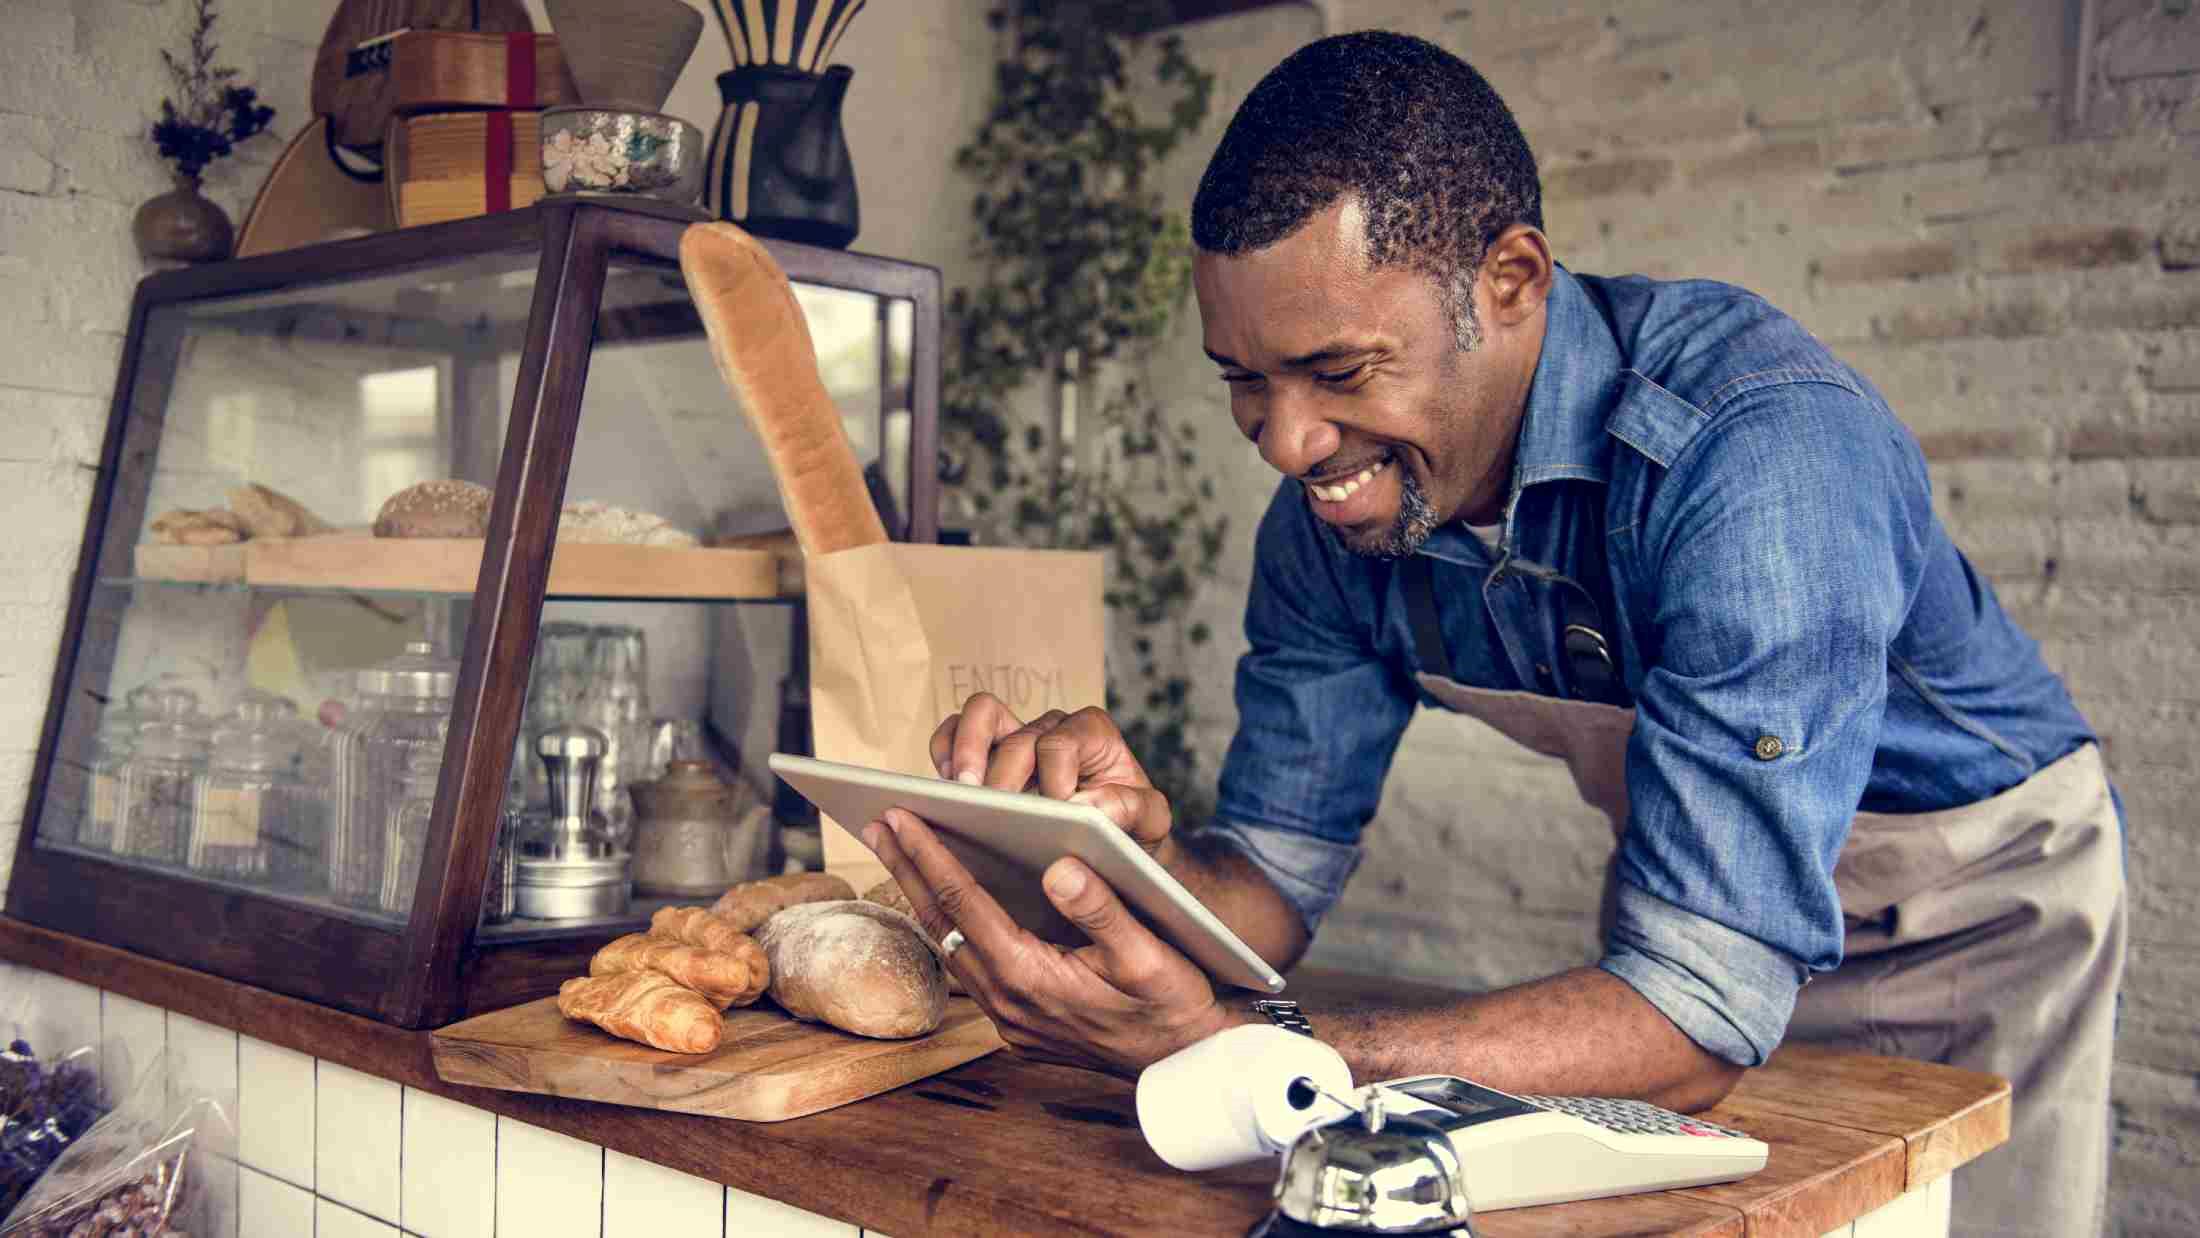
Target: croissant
[
  {"x": 734, "y": 977},
  {"x": 645, "y": 1006},
  {"x": 695, "y": 926}
]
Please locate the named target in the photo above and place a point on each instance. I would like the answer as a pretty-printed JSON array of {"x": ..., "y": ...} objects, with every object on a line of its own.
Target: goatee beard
[{"x": 1416, "y": 520}]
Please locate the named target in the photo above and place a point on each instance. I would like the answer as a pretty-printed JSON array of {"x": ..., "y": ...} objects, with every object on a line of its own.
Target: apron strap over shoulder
[{"x": 1428, "y": 634}]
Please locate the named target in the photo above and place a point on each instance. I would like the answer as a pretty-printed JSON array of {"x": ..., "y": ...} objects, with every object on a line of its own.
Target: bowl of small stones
[{"x": 589, "y": 150}]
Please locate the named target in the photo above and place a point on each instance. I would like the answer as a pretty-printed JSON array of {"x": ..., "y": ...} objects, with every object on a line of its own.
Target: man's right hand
[{"x": 1079, "y": 757}]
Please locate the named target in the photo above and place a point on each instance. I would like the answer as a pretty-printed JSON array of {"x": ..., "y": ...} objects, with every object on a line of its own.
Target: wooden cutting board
[{"x": 769, "y": 1067}]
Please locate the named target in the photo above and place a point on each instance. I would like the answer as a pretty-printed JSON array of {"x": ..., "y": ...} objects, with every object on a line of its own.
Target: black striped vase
[{"x": 778, "y": 161}]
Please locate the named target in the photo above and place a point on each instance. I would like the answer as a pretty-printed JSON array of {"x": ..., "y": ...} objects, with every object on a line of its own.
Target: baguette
[
  {"x": 752, "y": 902},
  {"x": 761, "y": 342},
  {"x": 856, "y": 966},
  {"x": 643, "y": 1006},
  {"x": 733, "y": 977}
]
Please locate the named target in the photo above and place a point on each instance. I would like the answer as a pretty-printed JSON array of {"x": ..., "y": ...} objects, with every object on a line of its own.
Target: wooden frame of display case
[{"x": 433, "y": 969}]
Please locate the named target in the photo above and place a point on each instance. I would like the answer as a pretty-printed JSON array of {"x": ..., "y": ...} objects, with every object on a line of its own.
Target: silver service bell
[{"x": 1370, "y": 1173}]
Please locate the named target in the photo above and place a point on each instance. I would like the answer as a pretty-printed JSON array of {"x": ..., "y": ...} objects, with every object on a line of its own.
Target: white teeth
[{"x": 1343, "y": 490}]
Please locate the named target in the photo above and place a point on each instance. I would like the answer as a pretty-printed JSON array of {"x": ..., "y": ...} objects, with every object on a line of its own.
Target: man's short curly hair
[{"x": 1433, "y": 155}]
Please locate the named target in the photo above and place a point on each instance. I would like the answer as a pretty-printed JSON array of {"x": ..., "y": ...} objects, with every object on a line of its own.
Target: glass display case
[{"x": 296, "y": 727}]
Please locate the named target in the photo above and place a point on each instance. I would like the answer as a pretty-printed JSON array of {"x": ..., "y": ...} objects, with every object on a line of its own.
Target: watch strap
[{"x": 1284, "y": 1014}]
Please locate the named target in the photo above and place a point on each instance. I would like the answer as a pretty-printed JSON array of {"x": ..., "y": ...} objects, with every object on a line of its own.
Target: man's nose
[{"x": 1296, "y": 437}]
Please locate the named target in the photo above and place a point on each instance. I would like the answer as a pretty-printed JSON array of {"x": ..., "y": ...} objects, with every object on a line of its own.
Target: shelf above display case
[{"x": 363, "y": 563}]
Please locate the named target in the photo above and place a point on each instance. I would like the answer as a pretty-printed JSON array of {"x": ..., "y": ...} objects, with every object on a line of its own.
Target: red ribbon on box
[
  {"x": 519, "y": 69},
  {"x": 496, "y": 158}
]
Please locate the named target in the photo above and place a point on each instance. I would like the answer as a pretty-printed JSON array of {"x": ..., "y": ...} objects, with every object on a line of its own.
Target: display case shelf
[
  {"x": 548, "y": 354},
  {"x": 360, "y": 562}
]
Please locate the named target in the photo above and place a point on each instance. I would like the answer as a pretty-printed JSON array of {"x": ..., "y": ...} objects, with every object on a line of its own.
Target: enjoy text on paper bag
[{"x": 1027, "y": 690}]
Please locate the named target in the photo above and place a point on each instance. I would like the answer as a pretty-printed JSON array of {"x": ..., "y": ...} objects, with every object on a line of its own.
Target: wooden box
[{"x": 454, "y": 165}]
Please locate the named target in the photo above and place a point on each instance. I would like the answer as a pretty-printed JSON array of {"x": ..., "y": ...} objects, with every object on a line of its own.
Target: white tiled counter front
[{"x": 324, "y": 1151}]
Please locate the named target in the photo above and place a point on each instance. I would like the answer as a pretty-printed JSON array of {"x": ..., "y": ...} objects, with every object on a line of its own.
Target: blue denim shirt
[{"x": 1756, "y": 528}]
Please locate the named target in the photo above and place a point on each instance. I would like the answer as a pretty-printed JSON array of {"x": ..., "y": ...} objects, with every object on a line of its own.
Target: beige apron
[{"x": 1989, "y": 937}]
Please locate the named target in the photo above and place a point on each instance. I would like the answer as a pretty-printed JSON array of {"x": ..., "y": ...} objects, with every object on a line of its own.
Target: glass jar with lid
[
  {"x": 161, "y": 779},
  {"x": 615, "y": 702},
  {"x": 111, "y": 751},
  {"x": 406, "y": 836},
  {"x": 249, "y": 790},
  {"x": 402, "y": 705}
]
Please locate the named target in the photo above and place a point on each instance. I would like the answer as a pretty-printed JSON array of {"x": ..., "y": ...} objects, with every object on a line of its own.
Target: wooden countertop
[{"x": 1002, "y": 1145}]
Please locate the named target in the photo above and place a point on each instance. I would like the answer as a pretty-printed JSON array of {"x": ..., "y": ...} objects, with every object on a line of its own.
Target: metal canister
[{"x": 568, "y": 867}]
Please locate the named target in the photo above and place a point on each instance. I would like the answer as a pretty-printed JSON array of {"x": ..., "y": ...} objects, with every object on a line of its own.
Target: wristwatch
[{"x": 1284, "y": 1014}]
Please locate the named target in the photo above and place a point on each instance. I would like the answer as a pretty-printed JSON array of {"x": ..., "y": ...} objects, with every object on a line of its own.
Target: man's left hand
[{"x": 1118, "y": 1004}]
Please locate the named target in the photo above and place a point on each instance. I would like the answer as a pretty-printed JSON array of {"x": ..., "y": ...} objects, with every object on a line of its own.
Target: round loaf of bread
[
  {"x": 856, "y": 966},
  {"x": 445, "y": 508}
]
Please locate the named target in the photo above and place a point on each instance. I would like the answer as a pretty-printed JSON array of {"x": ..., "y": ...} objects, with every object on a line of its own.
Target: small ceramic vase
[
  {"x": 182, "y": 224},
  {"x": 694, "y": 835}
]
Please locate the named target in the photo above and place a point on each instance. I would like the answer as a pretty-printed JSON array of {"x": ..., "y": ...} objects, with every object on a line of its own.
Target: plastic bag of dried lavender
[
  {"x": 138, "y": 1171},
  {"x": 47, "y": 1101}
]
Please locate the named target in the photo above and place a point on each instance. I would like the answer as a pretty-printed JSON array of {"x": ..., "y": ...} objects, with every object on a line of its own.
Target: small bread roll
[
  {"x": 752, "y": 902},
  {"x": 446, "y": 508},
  {"x": 856, "y": 966},
  {"x": 185, "y": 527}
]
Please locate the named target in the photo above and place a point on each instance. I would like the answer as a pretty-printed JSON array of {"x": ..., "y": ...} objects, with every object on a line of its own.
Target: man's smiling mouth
[{"x": 1338, "y": 492}]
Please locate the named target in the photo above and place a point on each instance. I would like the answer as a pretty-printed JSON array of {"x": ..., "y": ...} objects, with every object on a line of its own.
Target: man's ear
[{"x": 1516, "y": 274}]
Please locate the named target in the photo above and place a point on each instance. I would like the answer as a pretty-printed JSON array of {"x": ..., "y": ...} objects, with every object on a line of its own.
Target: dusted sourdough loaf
[
  {"x": 856, "y": 966},
  {"x": 444, "y": 508},
  {"x": 888, "y": 893}
]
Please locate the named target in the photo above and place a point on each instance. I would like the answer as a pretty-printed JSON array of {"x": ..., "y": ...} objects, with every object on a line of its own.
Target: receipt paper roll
[{"x": 1227, "y": 1099}]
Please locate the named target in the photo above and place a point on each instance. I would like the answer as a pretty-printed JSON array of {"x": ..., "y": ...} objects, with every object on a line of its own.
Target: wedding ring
[{"x": 951, "y": 943}]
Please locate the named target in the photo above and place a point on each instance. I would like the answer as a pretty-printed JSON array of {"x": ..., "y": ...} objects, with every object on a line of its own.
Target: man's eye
[
  {"x": 1237, "y": 380},
  {"x": 1338, "y": 376}
]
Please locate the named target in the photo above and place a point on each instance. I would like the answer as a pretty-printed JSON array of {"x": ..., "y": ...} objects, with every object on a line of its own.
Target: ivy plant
[{"x": 1081, "y": 269}]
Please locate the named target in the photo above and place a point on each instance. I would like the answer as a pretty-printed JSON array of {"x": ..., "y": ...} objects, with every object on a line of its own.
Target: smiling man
[{"x": 1655, "y": 529}]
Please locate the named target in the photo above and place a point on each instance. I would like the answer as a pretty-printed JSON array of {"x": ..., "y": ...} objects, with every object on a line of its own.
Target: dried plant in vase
[{"x": 204, "y": 120}]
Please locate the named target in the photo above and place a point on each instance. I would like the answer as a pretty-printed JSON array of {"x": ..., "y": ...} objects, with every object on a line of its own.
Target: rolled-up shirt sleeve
[
  {"x": 1319, "y": 714},
  {"x": 1783, "y": 550}
]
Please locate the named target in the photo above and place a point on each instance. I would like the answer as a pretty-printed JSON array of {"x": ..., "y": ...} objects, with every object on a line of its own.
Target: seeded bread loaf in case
[{"x": 444, "y": 508}]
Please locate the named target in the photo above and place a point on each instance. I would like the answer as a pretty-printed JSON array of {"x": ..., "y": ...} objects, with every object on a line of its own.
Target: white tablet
[{"x": 1007, "y": 839}]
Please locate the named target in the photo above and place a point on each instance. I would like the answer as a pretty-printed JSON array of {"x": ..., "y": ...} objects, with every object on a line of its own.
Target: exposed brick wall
[{"x": 1904, "y": 179}]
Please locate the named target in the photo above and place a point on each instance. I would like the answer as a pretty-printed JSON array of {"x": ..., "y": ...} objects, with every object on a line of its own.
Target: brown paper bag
[{"x": 901, "y": 634}]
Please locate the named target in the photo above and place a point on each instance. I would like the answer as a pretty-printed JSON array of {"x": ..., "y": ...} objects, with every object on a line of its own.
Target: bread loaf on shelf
[
  {"x": 856, "y": 966},
  {"x": 442, "y": 508},
  {"x": 644, "y": 1006},
  {"x": 185, "y": 527},
  {"x": 732, "y": 977},
  {"x": 752, "y": 902},
  {"x": 267, "y": 512}
]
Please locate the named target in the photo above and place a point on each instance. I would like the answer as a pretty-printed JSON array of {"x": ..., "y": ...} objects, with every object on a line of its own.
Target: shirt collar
[{"x": 1578, "y": 381}]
